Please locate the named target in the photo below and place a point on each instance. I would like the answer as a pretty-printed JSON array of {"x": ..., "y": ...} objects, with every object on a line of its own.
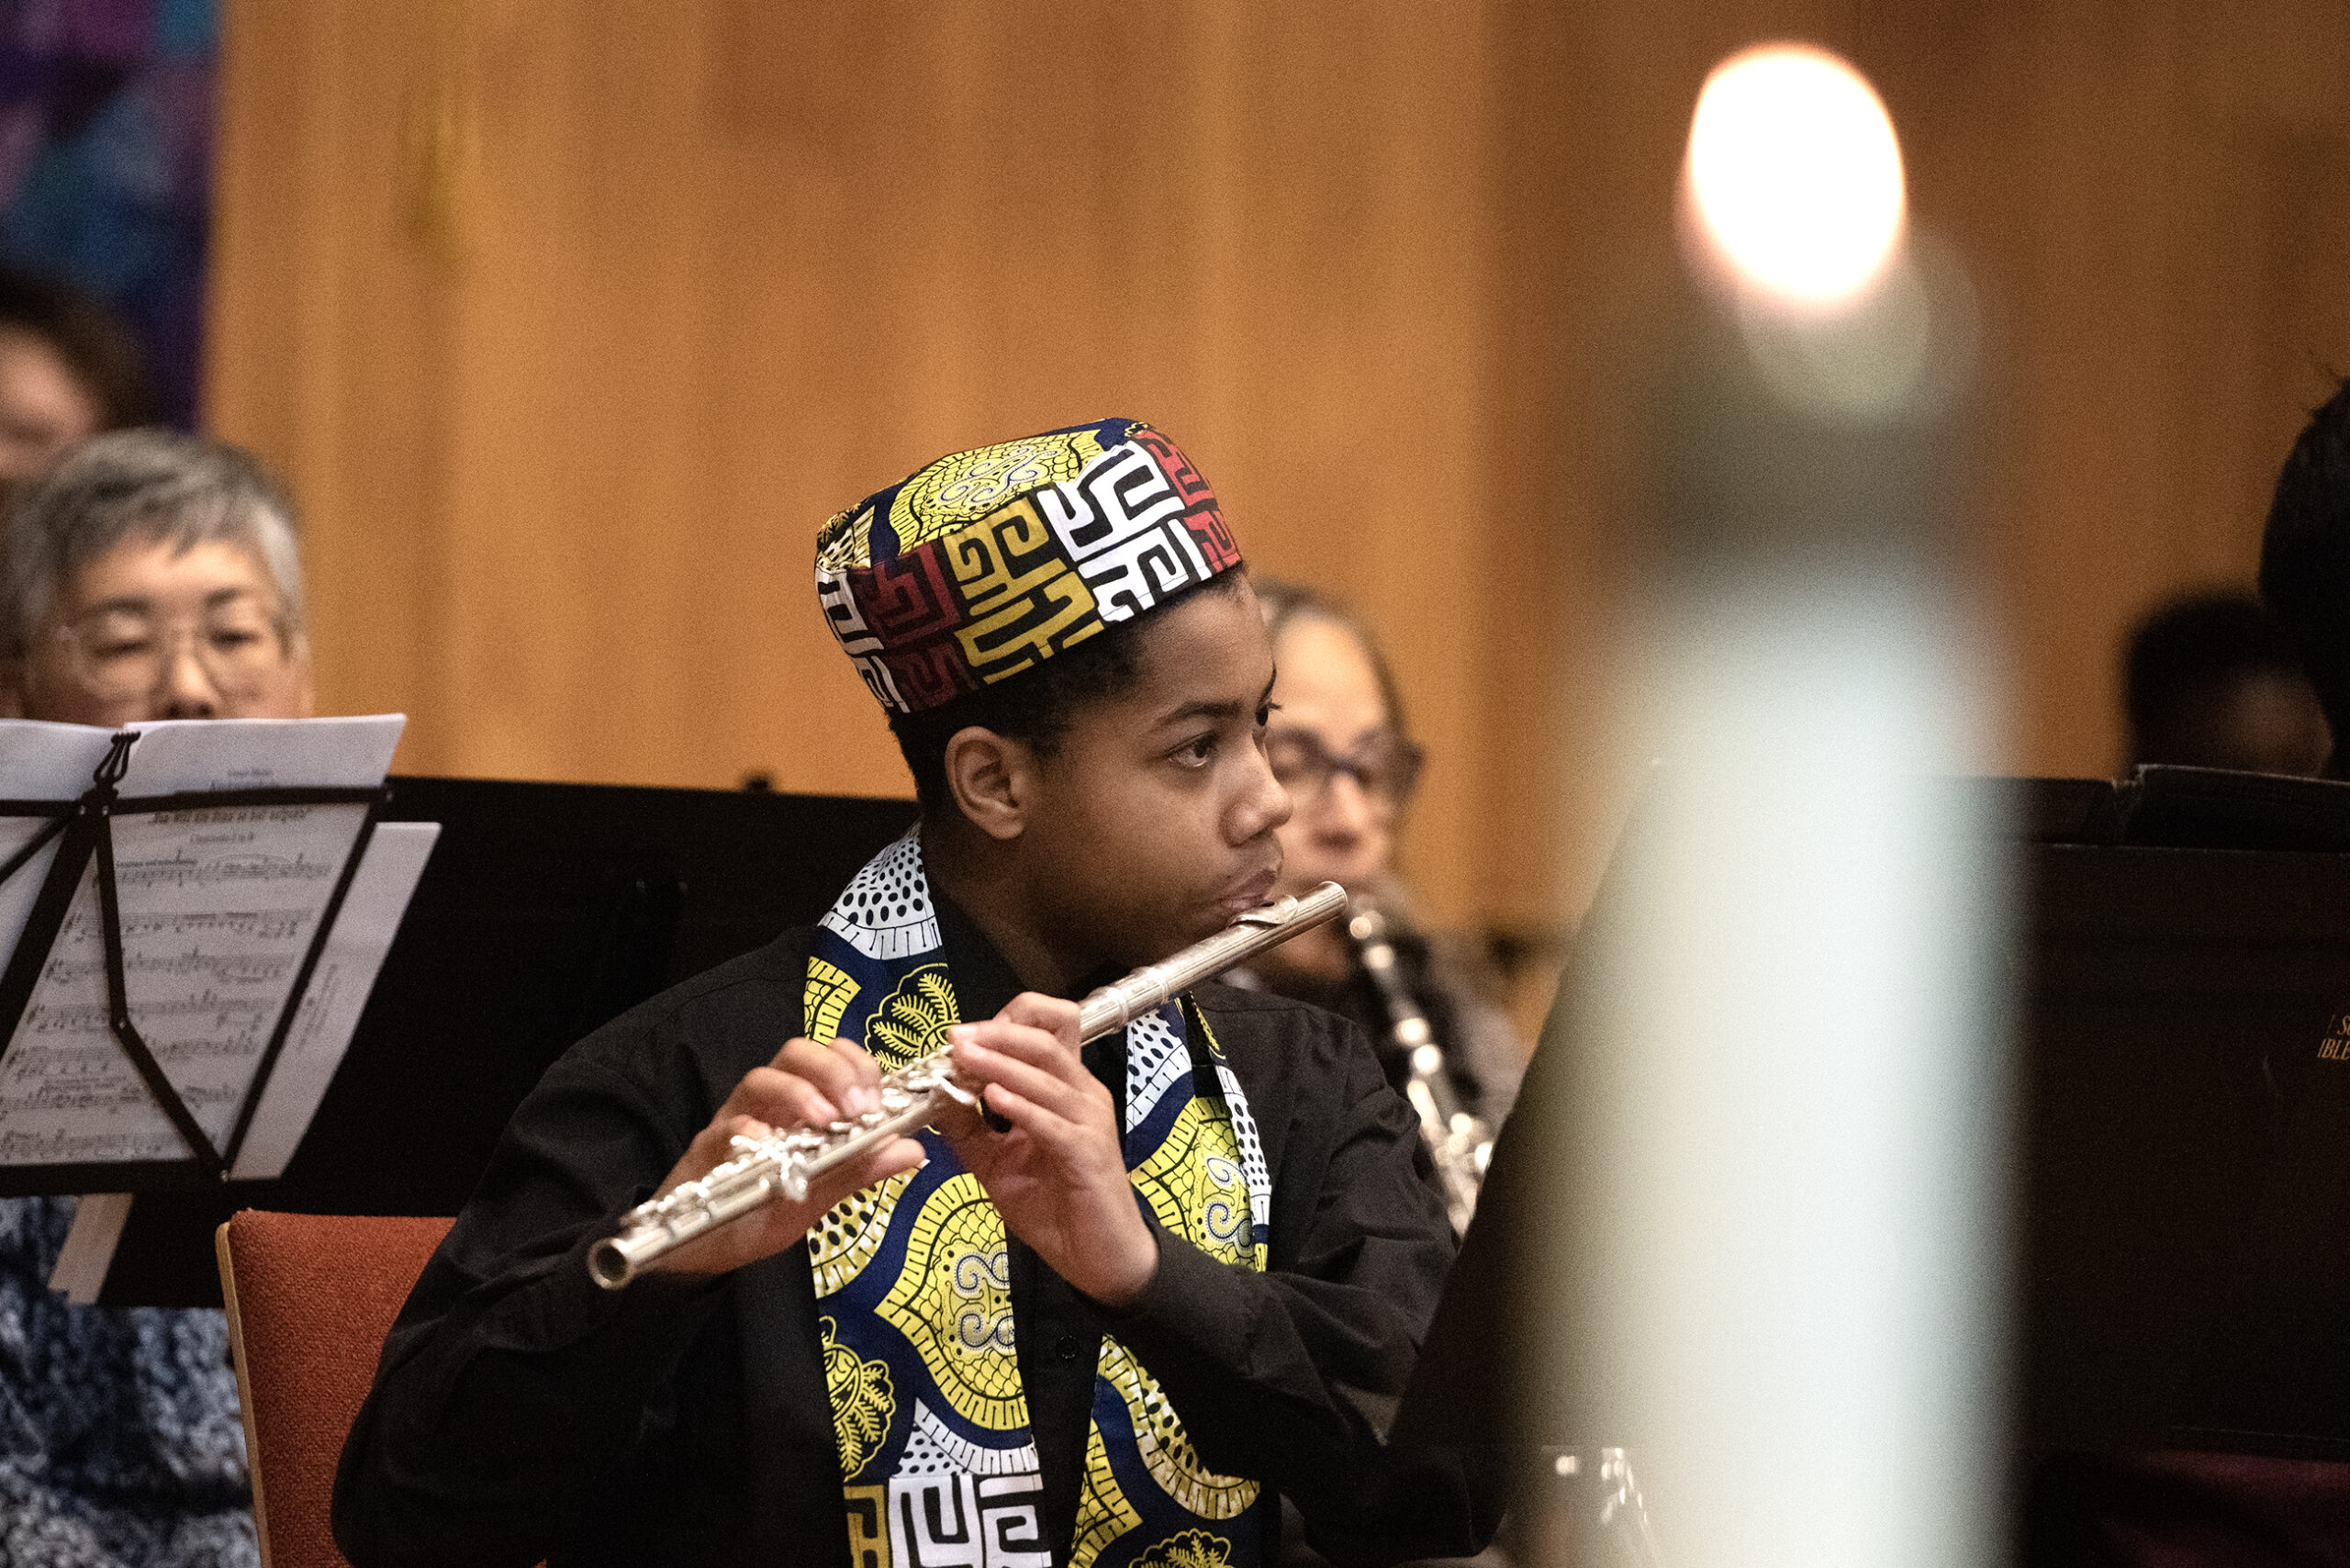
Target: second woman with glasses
[{"x": 1338, "y": 743}]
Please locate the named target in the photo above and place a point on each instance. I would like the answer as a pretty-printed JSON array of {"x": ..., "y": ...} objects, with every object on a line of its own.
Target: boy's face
[{"x": 1157, "y": 817}]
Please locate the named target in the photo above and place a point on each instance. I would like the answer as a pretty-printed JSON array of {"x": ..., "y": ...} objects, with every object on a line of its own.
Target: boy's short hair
[
  {"x": 2305, "y": 553},
  {"x": 1040, "y": 706},
  {"x": 87, "y": 335},
  {"x": 149, "y": 486}
]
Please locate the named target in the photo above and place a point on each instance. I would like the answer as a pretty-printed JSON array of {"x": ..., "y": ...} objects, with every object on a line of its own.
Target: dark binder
[{"x": 84, "y": 831}]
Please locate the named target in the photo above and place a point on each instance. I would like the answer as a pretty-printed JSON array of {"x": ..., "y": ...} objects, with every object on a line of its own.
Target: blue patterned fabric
[
  {"x": 913, "y": 1282},
  {"x": 120, "y": 1440},
  {"x": 106, "y": 174}
]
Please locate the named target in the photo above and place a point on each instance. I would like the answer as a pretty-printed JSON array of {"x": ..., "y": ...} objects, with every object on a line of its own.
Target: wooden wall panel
[
  {"x": 571, "y": 320},
  {"x": 328, "y": 336}
]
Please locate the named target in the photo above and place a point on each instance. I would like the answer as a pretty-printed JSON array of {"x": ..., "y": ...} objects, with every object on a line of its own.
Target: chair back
[{"x": 310, "y": 1298}]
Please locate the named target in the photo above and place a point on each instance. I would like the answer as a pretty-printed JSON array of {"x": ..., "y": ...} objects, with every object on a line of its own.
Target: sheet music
[
  {"x": 219, "y": 906},
  {"x": 39, "y": 762},
  {"x": 363, "y": 935},
  {"x": 175, "y": 755},
  {"x": 19, "y": 892}
]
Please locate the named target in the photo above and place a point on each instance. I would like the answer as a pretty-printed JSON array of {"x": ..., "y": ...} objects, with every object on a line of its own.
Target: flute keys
[{"x": 910, "y": 1096}]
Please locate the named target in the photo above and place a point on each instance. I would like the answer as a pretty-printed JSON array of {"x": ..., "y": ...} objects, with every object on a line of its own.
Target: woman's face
[
  {"x": 149, "y": 630},
  {"x": 1328, "y": 708},
  {"x": 44, "y": 408}
]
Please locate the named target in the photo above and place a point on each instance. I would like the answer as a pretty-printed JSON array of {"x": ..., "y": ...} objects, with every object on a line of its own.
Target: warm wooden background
[{"x": 570, "y": 320}]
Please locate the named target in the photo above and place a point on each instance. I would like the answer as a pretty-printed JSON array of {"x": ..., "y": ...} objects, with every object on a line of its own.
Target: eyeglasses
[
  {"x": 120, "y": 653},
  {"x": 1385, "y": 765}
]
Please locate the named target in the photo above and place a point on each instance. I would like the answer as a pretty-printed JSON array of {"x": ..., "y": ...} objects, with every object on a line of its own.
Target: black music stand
[
  {"x": 2181, "y": 1273},
  {"x": 545, "y": 910},
  {"x": 84, "y": 831}
]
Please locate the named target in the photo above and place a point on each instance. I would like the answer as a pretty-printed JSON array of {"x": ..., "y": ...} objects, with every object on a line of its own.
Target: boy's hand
[
  {"x": 1059, "y": 1176},
  {"x": 807, "y": 1085}
]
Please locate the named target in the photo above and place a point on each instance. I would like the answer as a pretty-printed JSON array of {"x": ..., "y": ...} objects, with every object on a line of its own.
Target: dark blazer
[{"x": 520, "y": 1413}]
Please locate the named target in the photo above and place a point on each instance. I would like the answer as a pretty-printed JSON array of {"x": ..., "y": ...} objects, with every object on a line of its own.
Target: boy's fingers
[
  {"x": 1053, "y": 1015},
  {"x": 1033, "y": 1045},
  {"x": 740, "y": 1125},
  {"x": 1056, "y": 1132},
  {"x": 861, "y": 1062},
  {"x": 782, "y": 1100},
  {"x": 844, "y": 1074},
  {"x": 1031, "y": 1082},
  {"x": 1017, "y": 1043}
]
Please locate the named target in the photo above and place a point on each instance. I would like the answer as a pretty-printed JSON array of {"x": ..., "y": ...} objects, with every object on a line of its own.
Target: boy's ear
[{"x": 992, "y": 778}]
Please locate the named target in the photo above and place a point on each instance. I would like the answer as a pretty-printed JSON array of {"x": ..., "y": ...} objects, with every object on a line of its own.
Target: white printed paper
[
  {"x": 176, "y": 755},
  {"x": 41, "y": 761},
  {"x": 338, "y": 993},
  {"x": 22, "y": 889},
  {"x": 219, "y": 906},
  {"x": 88, "y": 1254}
]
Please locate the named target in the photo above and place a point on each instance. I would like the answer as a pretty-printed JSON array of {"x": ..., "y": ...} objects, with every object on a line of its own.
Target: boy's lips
[{"x": 1248, "y": 892}]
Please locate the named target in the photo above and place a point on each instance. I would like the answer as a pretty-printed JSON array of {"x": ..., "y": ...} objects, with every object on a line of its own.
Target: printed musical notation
[
  {"x": 229, "y": 968},
  {"x": 229, "y": 871},
  {"x": 225, "y": 1017},
  {"x": 356, "y": 950},
  {"x": 262, "y": 924},
  {"x": 17, "y": 893},
  {"x": 218, "y": 907},
  {"x": 58, "y": 1145}
]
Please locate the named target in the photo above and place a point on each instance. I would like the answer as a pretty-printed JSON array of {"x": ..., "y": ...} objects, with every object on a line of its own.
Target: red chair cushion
[{"x": 311, "y": 1298}]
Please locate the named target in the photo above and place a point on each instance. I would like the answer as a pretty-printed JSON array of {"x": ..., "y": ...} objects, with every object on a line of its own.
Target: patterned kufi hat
[{"x": 987, "y": 563}]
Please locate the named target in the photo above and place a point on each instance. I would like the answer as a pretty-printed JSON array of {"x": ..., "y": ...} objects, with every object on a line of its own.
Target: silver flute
[
  {"x": 788, "y": 1162},
  {"x": 1459, "y": 1144}
]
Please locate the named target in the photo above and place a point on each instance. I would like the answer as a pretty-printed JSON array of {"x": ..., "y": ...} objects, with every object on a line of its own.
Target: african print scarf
[{"x": 913, "y": 1287}]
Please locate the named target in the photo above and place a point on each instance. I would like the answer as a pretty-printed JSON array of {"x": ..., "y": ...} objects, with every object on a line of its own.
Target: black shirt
[{"x": 521, "y": 1412}]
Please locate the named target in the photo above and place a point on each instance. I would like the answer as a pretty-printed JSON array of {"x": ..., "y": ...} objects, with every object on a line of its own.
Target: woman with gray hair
[
  {"x": 147, "y": 575},
  {"x": 152, "y": 574}
]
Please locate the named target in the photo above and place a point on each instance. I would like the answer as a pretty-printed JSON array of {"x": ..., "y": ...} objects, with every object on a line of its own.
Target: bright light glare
[{"x": 1795, "y": 173}]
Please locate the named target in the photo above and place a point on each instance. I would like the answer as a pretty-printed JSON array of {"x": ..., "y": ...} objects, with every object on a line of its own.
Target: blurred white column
[{"x": 1790, "y": 1299}]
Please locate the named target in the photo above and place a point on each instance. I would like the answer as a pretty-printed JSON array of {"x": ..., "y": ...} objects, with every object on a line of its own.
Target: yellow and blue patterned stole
[{"x": 913, "y": 1288}]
